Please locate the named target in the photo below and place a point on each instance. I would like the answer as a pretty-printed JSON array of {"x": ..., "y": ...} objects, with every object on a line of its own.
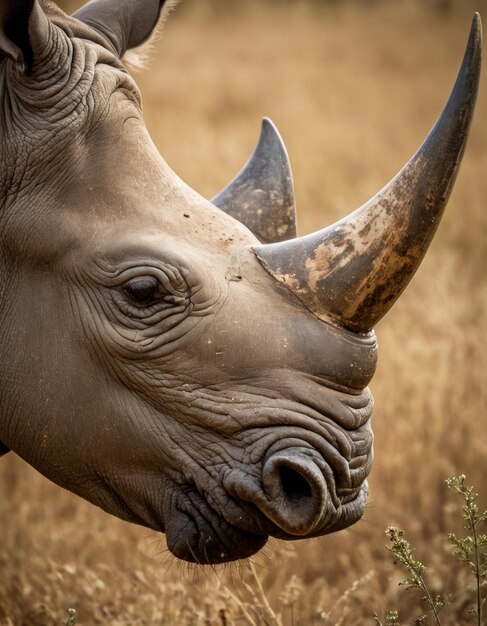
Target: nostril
[
  {"x": 294, "y": 491},
  {"x": 294, "y": 485}
]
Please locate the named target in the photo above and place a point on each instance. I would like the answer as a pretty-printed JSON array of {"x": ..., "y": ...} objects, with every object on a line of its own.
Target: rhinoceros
[{"x": 188, "y": 365}]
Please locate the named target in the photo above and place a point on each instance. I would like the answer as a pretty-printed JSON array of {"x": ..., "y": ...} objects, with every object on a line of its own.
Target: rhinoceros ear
[
  {"x": 23, "y": 29},
  {"x": 262, "y": 195},
  {"x": 125, "y": 24}
]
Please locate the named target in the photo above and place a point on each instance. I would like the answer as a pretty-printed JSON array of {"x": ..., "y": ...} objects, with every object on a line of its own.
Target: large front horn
[{"x": 352, "y": 272}]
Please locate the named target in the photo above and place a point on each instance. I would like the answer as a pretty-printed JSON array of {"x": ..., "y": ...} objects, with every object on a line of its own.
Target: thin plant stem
[
  {"x": 430, "y": 599},
  {"x": 477, "y": 568},
  {"x": 473, "y": 542}
]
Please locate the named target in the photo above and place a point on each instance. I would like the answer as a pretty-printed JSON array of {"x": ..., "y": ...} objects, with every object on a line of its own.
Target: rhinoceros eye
[{"x": 143, "y": 291}]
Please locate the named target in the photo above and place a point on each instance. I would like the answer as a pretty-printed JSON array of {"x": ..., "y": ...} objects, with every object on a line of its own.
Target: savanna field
[{"x": 354, "y": 87}]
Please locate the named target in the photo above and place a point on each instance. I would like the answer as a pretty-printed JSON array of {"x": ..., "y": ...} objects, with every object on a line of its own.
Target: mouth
[
  {"x": 197, "y": 533},
  {"x": 237, "y": 521}
]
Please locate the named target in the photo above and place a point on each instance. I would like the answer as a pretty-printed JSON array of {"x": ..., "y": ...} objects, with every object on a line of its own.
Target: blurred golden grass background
[{"x": 354, "y": 87}]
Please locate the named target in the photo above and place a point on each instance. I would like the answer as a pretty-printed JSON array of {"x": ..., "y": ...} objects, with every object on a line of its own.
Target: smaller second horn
[{"x": 262, "y": 196}]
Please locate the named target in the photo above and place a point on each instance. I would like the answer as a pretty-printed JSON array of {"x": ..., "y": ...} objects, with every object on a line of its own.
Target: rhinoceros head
[{"x": 159, "y": 358}]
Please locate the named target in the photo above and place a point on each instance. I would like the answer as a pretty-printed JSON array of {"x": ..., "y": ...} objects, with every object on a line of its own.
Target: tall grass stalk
[
  {"x": 472, "y": 548},
  {"x": 403, "y": 553},
  {"x": 256, "y": 591}
]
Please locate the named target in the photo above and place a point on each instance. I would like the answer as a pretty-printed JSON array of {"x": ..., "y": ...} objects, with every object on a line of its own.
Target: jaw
[
  {"x": 195, "y": 531},
  {"x": 198, "y": 534},
  {"x": 205, "y": 534}
]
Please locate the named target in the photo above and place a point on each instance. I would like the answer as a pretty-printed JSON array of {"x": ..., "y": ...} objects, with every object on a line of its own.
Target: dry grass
[{"x": 354, "y": 90}]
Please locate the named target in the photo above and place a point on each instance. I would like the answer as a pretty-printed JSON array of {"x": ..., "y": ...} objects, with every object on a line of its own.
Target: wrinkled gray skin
[{"x": 150, "y": 364}]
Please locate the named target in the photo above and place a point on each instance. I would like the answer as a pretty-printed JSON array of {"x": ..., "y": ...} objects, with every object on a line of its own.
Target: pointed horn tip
[
  {"x": 465, "y": 89},
  {"x": 470, "y": 69},
  {"x": 477, "y": 21},
  {"x": 269, "y": 133},
  {"x": 269, "y": 128},
  {"x": 476, "y": 35},
  {"x": 472, "y": 58},
  {"x": 266, "y": 122}
]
